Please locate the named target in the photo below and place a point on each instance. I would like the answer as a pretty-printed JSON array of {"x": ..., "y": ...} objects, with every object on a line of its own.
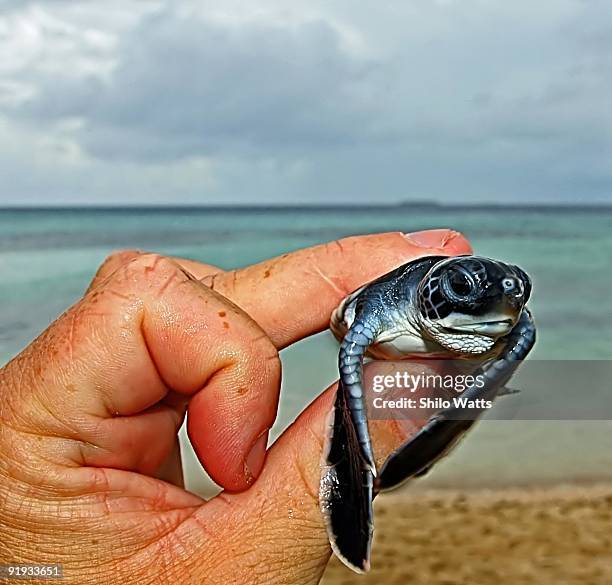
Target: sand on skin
[{"x": 559, "y": 535}]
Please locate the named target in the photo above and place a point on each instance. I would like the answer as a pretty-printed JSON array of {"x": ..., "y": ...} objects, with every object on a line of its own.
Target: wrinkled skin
[{"x": 89, "y": 412}]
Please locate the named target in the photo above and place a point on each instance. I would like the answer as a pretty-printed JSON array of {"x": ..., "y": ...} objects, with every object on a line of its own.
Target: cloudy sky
[{"x": 189, "y": 102}]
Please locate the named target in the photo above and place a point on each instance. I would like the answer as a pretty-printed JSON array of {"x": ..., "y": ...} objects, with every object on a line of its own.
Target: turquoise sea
[{"x": 48, "y": 256}]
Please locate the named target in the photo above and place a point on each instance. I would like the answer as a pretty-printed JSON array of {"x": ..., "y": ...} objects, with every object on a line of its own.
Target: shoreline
[
  {"x": 532, "y": 492},
  {"x": 531, "y": 485}
]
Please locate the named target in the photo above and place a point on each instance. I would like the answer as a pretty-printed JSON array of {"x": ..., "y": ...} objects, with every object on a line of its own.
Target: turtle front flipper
[
  {"x": 347, "y": 481},
  {"x": 445, "y": 428}
]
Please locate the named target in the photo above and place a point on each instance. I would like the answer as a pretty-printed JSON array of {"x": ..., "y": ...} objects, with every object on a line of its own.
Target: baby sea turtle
[{"x": 437, "y": 306}]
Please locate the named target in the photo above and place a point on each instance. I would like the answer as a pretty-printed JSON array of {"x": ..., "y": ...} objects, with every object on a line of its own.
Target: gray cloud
[
  {"x": 410, "y": 99},
  {"x": 187, "y": 87}
]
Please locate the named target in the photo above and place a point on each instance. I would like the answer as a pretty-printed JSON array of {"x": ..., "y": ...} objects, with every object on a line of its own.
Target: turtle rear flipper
[
  {"x": 445, "y": 428},
  {"x": 347, "y": 489}
]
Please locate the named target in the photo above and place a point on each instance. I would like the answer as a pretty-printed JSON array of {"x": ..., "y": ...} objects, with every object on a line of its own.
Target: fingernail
[
  {"x": 255, "y": 459},
  {"x": 440, "y": 238}
]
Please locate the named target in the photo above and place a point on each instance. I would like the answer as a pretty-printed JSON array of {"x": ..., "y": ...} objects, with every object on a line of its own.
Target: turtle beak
[
  {"x": 493, "y": 324},
  {"x": 492, "y": 328}
]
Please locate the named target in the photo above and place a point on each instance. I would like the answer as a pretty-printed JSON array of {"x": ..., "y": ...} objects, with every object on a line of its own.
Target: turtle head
[{"x": 466, "y": 303}]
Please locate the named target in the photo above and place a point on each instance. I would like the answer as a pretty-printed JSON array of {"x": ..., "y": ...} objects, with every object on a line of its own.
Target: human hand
[{"x": 89, "y": 413}]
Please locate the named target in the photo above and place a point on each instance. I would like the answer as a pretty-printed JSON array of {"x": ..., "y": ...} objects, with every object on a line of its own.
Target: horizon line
[{"x": 307, "y": 207}]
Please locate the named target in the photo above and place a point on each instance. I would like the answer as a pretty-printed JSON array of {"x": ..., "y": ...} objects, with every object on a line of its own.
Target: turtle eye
[{"x": 460, "y": 283}]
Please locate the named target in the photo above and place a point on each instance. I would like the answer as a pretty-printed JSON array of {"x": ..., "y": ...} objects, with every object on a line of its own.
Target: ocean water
[{"x": 48, "y": 257}]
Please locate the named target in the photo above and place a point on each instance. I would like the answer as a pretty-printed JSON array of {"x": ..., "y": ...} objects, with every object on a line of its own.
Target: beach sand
[{"x": 558, "y": 535}]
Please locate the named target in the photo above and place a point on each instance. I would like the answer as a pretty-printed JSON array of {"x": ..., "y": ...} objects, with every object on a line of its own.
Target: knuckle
[
  {"x": 266, "y": 353},
  {"x": 139, "y": 276},
  {"x": 116, "y": 260},
  {"x": 111, "y": 264},
  {"x": 223, "y": 283},
  {"x": 150, "y": 262},
  {"x": 120, "y": 257},
  {"x": 258, "y": 363},
  {"x": 338, "y": 247},
  {"x": 331, "y": 268},
  {"x": 151, "y": 271}
]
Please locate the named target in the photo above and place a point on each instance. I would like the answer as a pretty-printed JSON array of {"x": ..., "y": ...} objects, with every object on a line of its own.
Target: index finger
[{"x": 293, "y": 295}]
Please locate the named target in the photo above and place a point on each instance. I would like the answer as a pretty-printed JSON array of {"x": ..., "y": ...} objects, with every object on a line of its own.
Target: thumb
[{"x": 279, "y": 517}]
